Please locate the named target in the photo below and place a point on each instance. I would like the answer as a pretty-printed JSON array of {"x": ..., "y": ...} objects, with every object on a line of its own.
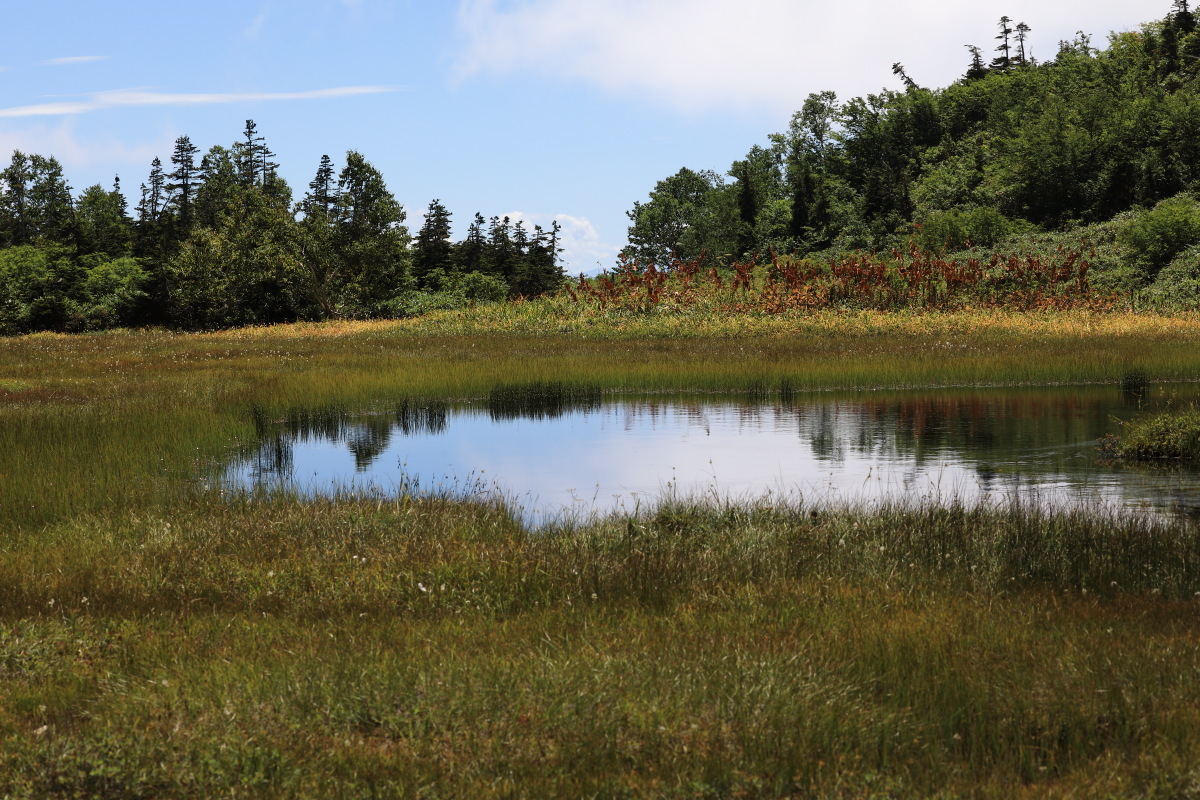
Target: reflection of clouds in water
[{"x": 934, "y": 446}]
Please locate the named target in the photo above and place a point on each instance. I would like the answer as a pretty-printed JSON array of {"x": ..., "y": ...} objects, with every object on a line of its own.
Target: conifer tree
[
  {"x": 322, "y": 190},
  {"x": 371, "y": 239},
  {"x": 898, "y": 71},
  {"x": 253, "y": 157},
  {"x": 181, "y": 190},
  {"x": 16, "y": 226},
  {"x": 1004, "y": 61},
  {"x": 471, "y": 251},
  {"x": 1022, "y": 36},
  {"x": 977, "y": 68},
  {"x": 433, "y": 252}
]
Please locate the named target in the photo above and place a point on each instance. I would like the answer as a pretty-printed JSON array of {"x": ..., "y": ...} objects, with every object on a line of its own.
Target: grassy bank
[{"x": 434, "y": 649}]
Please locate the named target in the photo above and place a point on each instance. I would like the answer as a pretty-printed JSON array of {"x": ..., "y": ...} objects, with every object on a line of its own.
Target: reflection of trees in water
[
  {"x": 973, "y": 424},
  {"x": 1038, "y": 426},
  {"x": 366, "y": 436},
  {"x": 273, "y": 460}
]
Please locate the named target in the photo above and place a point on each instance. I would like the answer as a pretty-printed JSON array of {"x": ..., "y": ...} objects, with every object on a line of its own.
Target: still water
[{"x": 551, "y": 451}]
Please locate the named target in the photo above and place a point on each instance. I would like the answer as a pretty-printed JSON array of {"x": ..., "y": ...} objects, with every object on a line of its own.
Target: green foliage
[
  {"x": 245, "y": 270},
  {"x": 115, "y": 292},
  {"x": 478, "y": 287},
  {"x": 1153, "y": 238},
  {"x": 1076, "y": 140},
  {"x": 1177, "y": 286},
  {"x": 1172, "y": 435},
  {"x": 947, "y": 231}
]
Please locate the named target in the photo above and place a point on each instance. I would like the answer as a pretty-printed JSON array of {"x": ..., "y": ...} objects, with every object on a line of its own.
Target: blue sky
[{"x": 539, "y": 109}]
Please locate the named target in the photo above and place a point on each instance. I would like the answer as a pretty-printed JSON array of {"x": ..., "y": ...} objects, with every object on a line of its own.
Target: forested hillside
[
  {"x": 217, "y": 241},
  {"x": 1012, "y": 149}
]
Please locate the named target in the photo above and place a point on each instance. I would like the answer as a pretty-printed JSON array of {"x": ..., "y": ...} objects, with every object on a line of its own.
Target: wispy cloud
[
  {"x": 255, "y": 27},
  {"x": 136, "y": 97},
  {"x": 766, "y": 54},
  {"x": 80, "y": 151},
  {"x": 74, "y": 60},
  {"x": 584, "y": 250}
]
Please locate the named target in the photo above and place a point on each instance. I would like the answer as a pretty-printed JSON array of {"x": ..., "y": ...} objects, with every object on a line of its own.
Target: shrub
[
  {"x": 1177, "y": 286},
  {"x": 478, "y": 287},
  {"x": 946, "y": 231},
  {"x": 1154, "y": 238}
]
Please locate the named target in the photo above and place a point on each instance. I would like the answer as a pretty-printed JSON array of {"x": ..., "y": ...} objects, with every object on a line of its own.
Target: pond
[{"x": 552, "y": 450}]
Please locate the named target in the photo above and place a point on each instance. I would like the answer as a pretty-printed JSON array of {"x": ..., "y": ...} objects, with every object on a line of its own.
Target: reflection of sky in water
[{"x": 1038, "y": 446}]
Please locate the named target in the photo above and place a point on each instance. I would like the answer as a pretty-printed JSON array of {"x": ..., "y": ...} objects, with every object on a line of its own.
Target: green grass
[
  {"x": 1162, "y": 436},
  {"x": 158, "y": 638},
  {"x": 427, "y": 648}
]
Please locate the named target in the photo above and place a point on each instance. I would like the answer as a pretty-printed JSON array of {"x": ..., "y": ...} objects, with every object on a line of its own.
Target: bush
[
  {"x": 1154, "y": 238},
  {"x": 946, "y": 231},
  {"x": 478, "y": 287},
  {"x": 114, "y": 291},
  {"x": 1177, "y": 287}
]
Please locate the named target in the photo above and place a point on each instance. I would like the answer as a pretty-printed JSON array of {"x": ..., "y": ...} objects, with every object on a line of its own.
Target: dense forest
[
  {"x": 1101, "y": 142},
  {"x": 217, "y": 241}
]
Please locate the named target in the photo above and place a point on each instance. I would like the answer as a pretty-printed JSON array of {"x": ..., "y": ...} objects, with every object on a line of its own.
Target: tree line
[
  {"x": 1014, "y": 144},
  {"x": 215, "y": 240}
]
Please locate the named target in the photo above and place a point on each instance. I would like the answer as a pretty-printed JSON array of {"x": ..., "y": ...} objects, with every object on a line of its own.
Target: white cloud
[
  {"x": 74, "y": 60},
  {"x": 706, "y": 54},
  {"x": 79, "y": 152},
  {"x": 583, "y": 248},
  {"x": 137, "y": 97}
]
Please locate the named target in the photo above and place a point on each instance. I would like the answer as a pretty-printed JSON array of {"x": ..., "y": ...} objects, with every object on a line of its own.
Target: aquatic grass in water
[
  {"x": 154, "y": 408},
  {"x": 1172, "y": 435}
]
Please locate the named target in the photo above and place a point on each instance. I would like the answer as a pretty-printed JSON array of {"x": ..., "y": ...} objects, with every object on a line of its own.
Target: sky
[{"x": 542, "y": 110}]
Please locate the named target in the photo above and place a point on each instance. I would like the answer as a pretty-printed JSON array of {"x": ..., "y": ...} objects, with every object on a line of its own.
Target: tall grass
[{"x": 428, "y": 648}]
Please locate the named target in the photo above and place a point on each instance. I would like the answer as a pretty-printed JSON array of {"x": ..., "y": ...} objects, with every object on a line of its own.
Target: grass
[
  {"x": 160, "y": 639},
  {"x": 426, "y": 648},
  {"x": 1162, "y": 436}
]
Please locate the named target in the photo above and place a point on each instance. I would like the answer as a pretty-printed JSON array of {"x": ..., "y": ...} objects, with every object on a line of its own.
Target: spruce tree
[
  {"x": 322, "y": 190},
  {"x": 16, "y": 226},
  {"x": 181, "y": 188},
  {"x": 1003, "y": 62},
  {"x": 977, "y": 68},
  {"x": 470, "y": 252},
  {"x": 433, "y": 252},
  {"x": 370, "y": 238}
]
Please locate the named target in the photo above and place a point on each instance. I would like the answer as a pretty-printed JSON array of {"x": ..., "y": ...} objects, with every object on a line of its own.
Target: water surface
[{"x": 552, "y": 452}]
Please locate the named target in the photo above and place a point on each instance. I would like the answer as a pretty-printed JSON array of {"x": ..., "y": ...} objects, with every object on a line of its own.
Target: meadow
[{"x": 162, "y": 637}]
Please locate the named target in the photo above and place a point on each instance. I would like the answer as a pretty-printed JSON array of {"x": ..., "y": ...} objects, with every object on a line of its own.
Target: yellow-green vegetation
[
  {"x": 159, "y": 638},
  {"x": 1172, "y": 435}
]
